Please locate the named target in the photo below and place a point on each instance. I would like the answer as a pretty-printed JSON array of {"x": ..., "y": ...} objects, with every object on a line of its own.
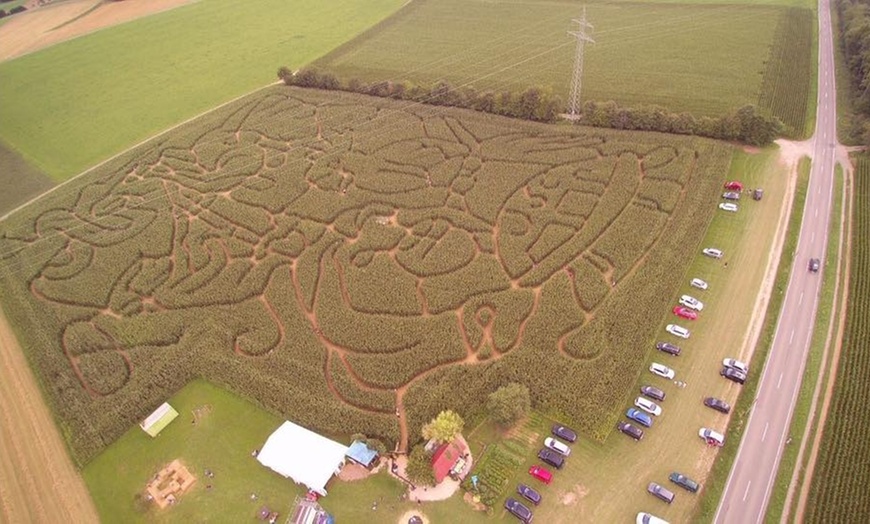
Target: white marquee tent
[{"x": 302, "y": 455}]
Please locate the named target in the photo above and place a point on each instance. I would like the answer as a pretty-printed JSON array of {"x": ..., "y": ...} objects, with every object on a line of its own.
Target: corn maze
[{"x": 341, "y": 259}]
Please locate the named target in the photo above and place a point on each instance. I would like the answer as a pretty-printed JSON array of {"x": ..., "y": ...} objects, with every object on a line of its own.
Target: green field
[
  {"x": 704, "y": 59},
  {"x": 69, "y": 106},
  {"x": 20, "y": 181},
  {"x": 370, "y": 246},
  {"x": 838, "y": 491}
]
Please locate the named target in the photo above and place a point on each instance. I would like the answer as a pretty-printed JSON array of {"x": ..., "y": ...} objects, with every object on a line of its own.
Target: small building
[
  {"x": 157, "y": 421},
  {"x": 302, "y": 455},
  {"x": 447, "y": 456},
  {"x": 360, "y": 453}
]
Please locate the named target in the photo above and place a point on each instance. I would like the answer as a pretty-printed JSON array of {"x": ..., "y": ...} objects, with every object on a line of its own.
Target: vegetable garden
[{"x": 339, "y": 258}]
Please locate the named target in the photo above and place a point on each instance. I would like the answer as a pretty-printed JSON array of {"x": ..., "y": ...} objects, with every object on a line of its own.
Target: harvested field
[
  {"x": 22, "y": 32},
  {"x": 393, "y": 255}
]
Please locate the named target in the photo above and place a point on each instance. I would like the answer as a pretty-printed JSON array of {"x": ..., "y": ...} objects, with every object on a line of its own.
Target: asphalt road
[{"x": 766, "y": 436}]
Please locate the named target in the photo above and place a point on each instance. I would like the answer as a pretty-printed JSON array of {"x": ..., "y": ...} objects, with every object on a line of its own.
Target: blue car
[{"x": 639, "y": 416}]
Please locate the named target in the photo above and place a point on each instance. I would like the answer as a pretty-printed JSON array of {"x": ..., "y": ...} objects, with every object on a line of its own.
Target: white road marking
[
  {"x": 813, "y": 237},
  {"x": 764, "y": 433},
  {"x": 791, "y": 337},
  {"x": 746, "y": 493},
  {"x": 800, "y": 301},
  {"x": 780, "y": 381},
  {"x": 817, "y": 212}
]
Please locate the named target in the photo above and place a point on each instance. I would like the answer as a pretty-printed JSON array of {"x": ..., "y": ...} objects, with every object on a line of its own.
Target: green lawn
[
  {"x": 69, "y": 106},
  {"x": 16, "y": 173}
]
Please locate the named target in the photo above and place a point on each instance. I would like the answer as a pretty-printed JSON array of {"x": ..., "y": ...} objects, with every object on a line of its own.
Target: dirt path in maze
[{"x": 38, "y": 481}]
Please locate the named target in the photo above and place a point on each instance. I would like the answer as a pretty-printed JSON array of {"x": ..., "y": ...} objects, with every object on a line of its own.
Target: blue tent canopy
[{"x": 361, "y": 454}]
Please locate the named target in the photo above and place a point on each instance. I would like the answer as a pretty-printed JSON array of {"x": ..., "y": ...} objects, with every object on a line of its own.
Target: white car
[
  {"x": 736, "y": 364},
  {"x": 728, "y": 206},
  {"x": 647, "y": 518},
  {"x": 698, "y": 283},
  {"x": 712, "y": 252},
  {"x": 712, "y": 437},
  {"x": 557, "y": 446},
  {"x": 648, "y": 405},
  {"x": 677, "y": 331},
  {"x": 662, "y": 371},
  {"x": 691, "y": 302}
]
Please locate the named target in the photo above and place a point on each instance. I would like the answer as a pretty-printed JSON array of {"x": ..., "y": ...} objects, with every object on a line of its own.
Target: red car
[
  {"x": 541, "y": 474},
  {"x": 734, "y": 186},
  {"x": 684, "y": 312}
]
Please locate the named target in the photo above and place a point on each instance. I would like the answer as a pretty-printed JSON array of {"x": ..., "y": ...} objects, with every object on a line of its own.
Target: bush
[{"x": 419, "y": 469}]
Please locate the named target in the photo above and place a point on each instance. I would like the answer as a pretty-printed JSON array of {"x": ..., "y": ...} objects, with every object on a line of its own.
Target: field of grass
[
  {"x": 69, "y": 106},
  {"x": 399, "y": 256},
  {"x": 838, "y": 491},
  {"x": 20, "y": 181},
  {"x": 704, "y": 59}
]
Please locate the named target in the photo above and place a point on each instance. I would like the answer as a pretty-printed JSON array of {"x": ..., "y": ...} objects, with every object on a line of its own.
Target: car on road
[
  {"x": 661, "y": 370},
  {"x": 815, "y": 264},
  {"x": 698, "y": 283},
  {"x": 670, "y": 349},
  {"x": 719, "y": 405},
  {"x": 632, "y": 431},
  {"x": 734, "y": 185},
  {"x": 684, "y": 482},
  {"x": 639, "y": 416},
  {"x": 712, "y": 252},
  {"x": 728, "y": 206},
  {"x": 712, "y": 438},
  {"x": 736, "y": 364},
  {"x": 552, "y": 458},
  {"x": 684, "y": 312},
  {"x": 557, "y": 446},
  {"x": 529, "y": 494},
  {"x": 691, "y": 302},
  {"x": 660, "y": 492},
  {"x": 648, "y": 405},
  {"x": 677, "y": 331},
  {"x": 564, "y": 433},
  {"x": 518, "y": 510},
  {"x": 652, "y": 392},
  {"x": 648, "y": 518},
  {"x": 541, "y": 474},
  {"x": 731, "y": 195},
  {"x": 734, "y": 375}
]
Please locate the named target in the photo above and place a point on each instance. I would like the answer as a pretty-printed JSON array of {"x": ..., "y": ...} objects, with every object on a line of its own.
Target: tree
[
  {"x": 444, "y": 427},
  {"x": 509, "y": 403},
  {"x": 419, "y": 469}
]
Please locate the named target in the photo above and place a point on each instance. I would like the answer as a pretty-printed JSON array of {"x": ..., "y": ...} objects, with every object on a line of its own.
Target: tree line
[
  {"x": 746, "y": 124},
  {"x": 854, "y": 33}
]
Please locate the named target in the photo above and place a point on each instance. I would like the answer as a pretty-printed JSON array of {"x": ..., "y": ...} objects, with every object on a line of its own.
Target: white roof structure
[{"x": 302, "y": 455}]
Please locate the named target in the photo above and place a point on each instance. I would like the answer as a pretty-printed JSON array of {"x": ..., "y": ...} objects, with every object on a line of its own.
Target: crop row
[{"x": 495, "y": 468}]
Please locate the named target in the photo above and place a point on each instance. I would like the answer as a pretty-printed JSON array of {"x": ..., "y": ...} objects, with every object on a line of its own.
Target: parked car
[
  {"x": 677, "y": 331},
  {"x": 698, "y": 283},
  {"x": 734, "y": 375},
  {"x": 632, "y": 431},
  {"x": 518, "y": 510},
  {"x": 648, "y": 405},
  {"x": 639, "y": 416},
  {"x": 712, "y": 438},
  {"x": 564, "y": 433},
  {"x": 661, "y": 370},
  {"x": 691, "y": 302},
  {"x": 648, "y": 518},
  {"x": 668, "y": 348},
  {"x": 731, "y": 195},
  {"x": 728, "y": 206},
  {"x": 734, "y": 186},
  {"x": 529, "y": 494},
  {"x": 552, "y": 458},
  {"x": 660, "y": 492},
  {"x": 712, "y": 252},
  {"x": 684, "y": 482},
  {"x": 541, "y": 474},
  {"x": 684, "y": 312},
  {"x": 557, "y": 446},
  {"x": 736, "y": 364},
  {"x": 815, "y": 264},
  {"x": 652, "y": 392},
  {"x": 719, "y": 405},
  {"x": 757, "y": 193}
]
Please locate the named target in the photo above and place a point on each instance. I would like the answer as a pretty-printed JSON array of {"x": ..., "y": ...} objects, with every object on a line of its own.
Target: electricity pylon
[{"x": 582, "y": 34}]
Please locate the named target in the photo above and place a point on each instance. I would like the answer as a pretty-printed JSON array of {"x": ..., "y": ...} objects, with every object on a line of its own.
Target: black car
[
  {"x": 668, "y": 348},
  {"x": 719, "y": 405},
  {"x": 734, "y": 375},
  {"x": 684, "y": 482},
  {"x": 632, "y": 431},
  {"x": 529, "y": 494},
  {"x": 557, "y": 460},
  {"x": 518, "y": 509},
  {"x": 566, "y": 434},
  {"x": 815, "y": 263},
  {"x": 652, "y": 392}
]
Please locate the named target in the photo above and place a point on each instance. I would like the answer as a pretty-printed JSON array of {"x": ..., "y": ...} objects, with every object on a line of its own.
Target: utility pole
[{"x": 582, "y": 34}]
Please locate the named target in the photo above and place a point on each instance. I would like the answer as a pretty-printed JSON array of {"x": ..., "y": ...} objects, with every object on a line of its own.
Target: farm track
[{"x": 38, "y": 481}]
